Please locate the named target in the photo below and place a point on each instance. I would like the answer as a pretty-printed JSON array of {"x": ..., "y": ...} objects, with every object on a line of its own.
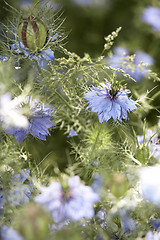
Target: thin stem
[
  {"x": 154, "y": 96},
  {"x": 96, "y": 140},
  {"x": 61, "y": 96},
  {"x": 63, "y": 99}
]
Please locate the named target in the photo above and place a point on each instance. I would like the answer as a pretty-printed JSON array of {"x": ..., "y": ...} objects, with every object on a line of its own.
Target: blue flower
[
  {"x": 8, "y": 233},
  {"x": 150, "y": 139},
  {"x": 74, "y": 201},
  {"x": 118, "y": 60},
  {"x": 151, "y": 15},
  {"x": 118, "y": 57},
  {"x": 72, "y": 133},
  {"x": 39, "y": 121},
  {"x": 150, "y": 183},
  {"x": 153, "y": 236},
  {"x": 19, "y": 192},
  {"x": 140, "y": 72},
  {"x": 108, "y": 103},
  {"x": 3, "y": 58},
  {"x": 156, "y": 224},
  {"x": 40, "y": 56}
]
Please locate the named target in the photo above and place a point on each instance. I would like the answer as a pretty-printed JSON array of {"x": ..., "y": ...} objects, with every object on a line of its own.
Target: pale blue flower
[
  {"x": 156, "y": 224},
  {"x": 8, "y": 233},
  {"x": 39, "y": 117},
  {"x": 40, "y": 56},
  {"x": 140, "y": 72},
  {"x": 72, "y": 133},
  {"x": 150, "y": 183},
  {"x": 3, "y": 58},
  {"x": 127, "y": 223},
  {"x": 118, "y": 60},
  {"x": 150, "y": 139},
  {"x": 151, "y": 15},
  {"x": 108, "y": 104},
  {"x": 119, "y": 55},
  {"x": 19, "y": 192},
  {"x": 153, "y": 236},
  {"x": 74, "y": 202}
]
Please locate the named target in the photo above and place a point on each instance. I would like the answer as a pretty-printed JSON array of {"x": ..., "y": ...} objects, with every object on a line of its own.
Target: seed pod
[{"x": 32, "y": 33}]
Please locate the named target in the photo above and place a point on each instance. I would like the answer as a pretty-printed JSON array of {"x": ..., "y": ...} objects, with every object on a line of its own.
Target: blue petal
[
  {"x": 3, "y": 58},
  {"x": 48, "y": 54}
]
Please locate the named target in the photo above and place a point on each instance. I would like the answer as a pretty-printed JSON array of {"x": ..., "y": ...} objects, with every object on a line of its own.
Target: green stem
[
  {"x": 61, "y": 96},
  {"x": 94, "y": 145},
  {"x": 63, "y": 99},
  {"x": 154, "y": 96}
]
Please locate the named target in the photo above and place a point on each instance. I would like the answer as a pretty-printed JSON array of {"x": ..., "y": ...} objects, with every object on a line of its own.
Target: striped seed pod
[{"x": 32, "y": 33}]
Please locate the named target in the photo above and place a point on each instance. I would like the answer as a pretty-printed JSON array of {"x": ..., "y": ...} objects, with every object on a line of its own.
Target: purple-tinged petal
[{"x": 48, "y": 54}]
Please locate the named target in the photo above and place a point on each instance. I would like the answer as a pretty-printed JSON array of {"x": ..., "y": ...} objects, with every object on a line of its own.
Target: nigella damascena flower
[
  {"x": 32, "y": 39},
  {"x": 151, "y": 15},
  {"x": 8, "y": 233},
  {"x": 150, "y": 183},
  {"x": 153, "y": 235},
  {"x": 19, "y": 191},
  {"x": 72, "y": 133},
  {"x": 119, "y": 60},
  {"x": 109, "y": 103},
  {"x": 74, "y": 201},
  {"x": 39, "y": 117},
  {"x": 150, "y": 140}
]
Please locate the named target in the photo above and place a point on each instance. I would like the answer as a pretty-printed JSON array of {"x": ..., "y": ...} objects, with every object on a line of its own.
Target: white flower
[{"x": 9, "y": 114}]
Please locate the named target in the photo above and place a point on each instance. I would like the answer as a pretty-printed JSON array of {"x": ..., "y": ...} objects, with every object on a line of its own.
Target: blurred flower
[
  {"x": 151, "y": 15},
  {"x": 25, "y": 3},
  {"x": 40, "y": 56},
  {"x": 97, "y": 183},
  {"x": 3, "y": 58},
  {"x": 153, "y": 236},
  {"x": 39, "y": 121},
  {"x": 150, "y": 183},
  {"x": 118, "y": 57},
  {"x": 127, "y": 223},
  {"x": 156, "y": 224},
  {"x": 119, "y": 60},
  {"x": 19, "y": 192},
  {"x": 151, "y": 140},
  {"x": 73, "y": 201},
  {"x": 9, "y": 114},
  {"x": 108, "y": 103},
  {"x": 72, "y": 133},
  {"x": 8, "y": 233},
  {"x": 140, "y": 71},
  {"x": 91, "y": 3},
  {"x": 83, "y": 2}
]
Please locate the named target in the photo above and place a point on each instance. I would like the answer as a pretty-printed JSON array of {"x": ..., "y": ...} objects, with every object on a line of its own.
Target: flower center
[{"x": 112, "y": 93}]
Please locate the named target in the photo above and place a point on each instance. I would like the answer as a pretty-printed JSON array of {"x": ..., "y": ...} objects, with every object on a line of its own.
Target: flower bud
[{"x": 32, "y": 33}]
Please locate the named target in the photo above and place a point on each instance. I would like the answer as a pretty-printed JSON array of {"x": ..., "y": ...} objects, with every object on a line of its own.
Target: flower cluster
[
  {"x": 74, "y": 201},
  {"x": 108, "y": 103},
  {"x": 39, "y": 121}
]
